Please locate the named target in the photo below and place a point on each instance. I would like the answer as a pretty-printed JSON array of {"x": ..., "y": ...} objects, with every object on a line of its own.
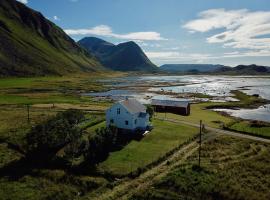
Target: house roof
[
  {"x": 133, "y": 106},
  {"x": 172, "y": 103}
]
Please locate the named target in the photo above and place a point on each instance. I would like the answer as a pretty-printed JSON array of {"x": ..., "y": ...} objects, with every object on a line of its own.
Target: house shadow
[
  {"x": 29, "y": 165},
  {"x": 124, "y": 137}
]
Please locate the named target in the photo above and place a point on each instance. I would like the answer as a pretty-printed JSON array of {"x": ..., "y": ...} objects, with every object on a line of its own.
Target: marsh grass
[{"x": 227, "y": 172}]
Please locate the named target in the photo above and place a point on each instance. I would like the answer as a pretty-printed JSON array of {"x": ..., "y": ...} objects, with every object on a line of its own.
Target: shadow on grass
[{"x": 28, "y": 165}]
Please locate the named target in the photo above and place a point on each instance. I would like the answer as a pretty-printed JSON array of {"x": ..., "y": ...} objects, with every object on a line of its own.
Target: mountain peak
[
  {"x": 129, "y": 43},
  {"x": 127, "y": 56}
]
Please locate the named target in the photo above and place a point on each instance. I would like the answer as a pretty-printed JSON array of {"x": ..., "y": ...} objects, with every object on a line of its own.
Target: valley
[
  {"x": 170, "y": 148},
  {"x": 96, "y": 102}
]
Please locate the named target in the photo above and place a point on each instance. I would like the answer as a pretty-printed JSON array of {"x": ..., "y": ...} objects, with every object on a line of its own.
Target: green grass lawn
[
  {"x": 247, "y": 127},
  {"x": 96, "y": 126},
  {"x": 91, "y": 130},
  {"x": 198, "y": 112},
  {"x": 163, "y": 138}
]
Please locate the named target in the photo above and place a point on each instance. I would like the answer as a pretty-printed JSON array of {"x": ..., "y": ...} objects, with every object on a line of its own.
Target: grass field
[
  {"x": 47, "y": 96},
  {"x": 239, "y": 166},
  {"x": 249, "y": 128},
  {"x": 49, "y": 184},
  {"x": 48, "y": 89},
  {"x": 231, "y": 169},
  {"x": 198, "y": 112},
  {"x": 137, "y": 154},
  {"x": 7, "y": 155},
  {"x": 214, "y": 119}
]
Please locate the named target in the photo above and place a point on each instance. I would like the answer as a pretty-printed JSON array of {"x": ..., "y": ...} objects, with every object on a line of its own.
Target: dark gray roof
[
  {"x": 172, "y": 103},
  {"x": 133, "y": 106}
]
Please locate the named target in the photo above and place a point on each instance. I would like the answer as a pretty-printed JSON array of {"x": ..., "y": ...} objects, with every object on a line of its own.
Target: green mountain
[
  {"x": 32, "y": 45},
  {"x": 126, "y": 56}
]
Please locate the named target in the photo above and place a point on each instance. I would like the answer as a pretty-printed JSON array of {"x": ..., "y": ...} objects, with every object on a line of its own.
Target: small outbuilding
[
  {"x": 171, "y": 106},
  {"x": 128, "y": 114}
]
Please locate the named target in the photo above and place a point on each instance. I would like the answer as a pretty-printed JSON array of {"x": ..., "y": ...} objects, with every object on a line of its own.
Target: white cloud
[
  {"x": 236, "y": 54},
  {"x": 240, "y": 29},
  {"x": 104, "y": 30},
  {"x": 174, "y": 56},
  {"x": 23, "y": 1},
  {"x": 56, "y": 18}
]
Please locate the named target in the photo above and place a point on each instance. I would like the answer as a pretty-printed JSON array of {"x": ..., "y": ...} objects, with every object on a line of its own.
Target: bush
[
  {"x": 150, "y": 111},
  {"x": 45, "y": 139},
  {"x": 101, "y": 144}
]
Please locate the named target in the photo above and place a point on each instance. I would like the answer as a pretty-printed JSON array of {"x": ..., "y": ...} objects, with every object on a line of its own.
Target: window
[
  {"x": 111, "y": 121},
  {"x": 135, "y": 121},
  {"x": 126, "y": 122},
  {"x": 118, "y": 111}
]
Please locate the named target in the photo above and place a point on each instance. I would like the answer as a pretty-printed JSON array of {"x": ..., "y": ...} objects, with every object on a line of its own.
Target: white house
[{"x": 128, "y": 114}]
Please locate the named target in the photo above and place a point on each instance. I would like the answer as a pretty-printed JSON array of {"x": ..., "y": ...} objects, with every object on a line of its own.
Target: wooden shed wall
[{"x": 172, "y": 109}]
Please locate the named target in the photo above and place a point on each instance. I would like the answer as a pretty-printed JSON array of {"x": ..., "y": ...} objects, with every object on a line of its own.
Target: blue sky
[{"x": 229, "y": 32}]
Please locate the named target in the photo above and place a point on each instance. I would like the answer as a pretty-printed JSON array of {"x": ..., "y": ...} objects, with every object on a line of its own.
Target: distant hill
[
  {"x": 192, "y": 68},
  {"x": 244, "y": 69},
  {"x": 215, "y": 69},
  {"x": 32, "y": 45},
  {"x": 126, "y": 56}
]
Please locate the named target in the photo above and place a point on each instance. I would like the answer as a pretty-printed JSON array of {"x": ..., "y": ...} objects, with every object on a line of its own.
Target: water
[
  {"x": 261, "y": 114},
  {"x": 220, "y": 85},
  {"x": 146, "y": 88}
]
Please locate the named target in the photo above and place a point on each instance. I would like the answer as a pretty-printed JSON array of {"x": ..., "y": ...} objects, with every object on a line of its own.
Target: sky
[{"x": 229, "y": 32}]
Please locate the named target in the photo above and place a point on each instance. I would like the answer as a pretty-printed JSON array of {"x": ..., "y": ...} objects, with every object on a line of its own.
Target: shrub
[
  {"x": 101, "y": 144},
  {"x": 45, "y": 139},
  {"x": 150, "y": 111}
]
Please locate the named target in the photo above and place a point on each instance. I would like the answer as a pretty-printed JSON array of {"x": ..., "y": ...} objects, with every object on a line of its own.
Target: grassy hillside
[{"x": 32, "y": 45}]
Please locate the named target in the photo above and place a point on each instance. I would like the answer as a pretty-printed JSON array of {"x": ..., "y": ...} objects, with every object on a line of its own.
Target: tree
[
  {"x": 73, "y": 116},
  {"x": 45, "y": 139},
  {"x": 101, "y": 144},
  {"x": 150, "y": 111}
]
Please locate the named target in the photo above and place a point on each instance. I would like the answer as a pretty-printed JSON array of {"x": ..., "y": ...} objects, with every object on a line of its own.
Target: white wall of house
[
  {"x": 125, "y": 119},
  {"x": 142, "y": 122},
  {"x": 119, "y": 119}
]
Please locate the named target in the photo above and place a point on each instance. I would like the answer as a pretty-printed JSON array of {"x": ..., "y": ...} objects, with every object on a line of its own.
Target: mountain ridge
[
  {"x": 217, "y": 69},
  {"x": 252, "y": 69},
  {"x": 31, "y": 45},
  {"x": 127, "y": 56}
]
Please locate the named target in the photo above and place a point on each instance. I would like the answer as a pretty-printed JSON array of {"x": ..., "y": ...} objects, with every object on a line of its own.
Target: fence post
[
  {"x": 200, "y": 142},
  {"x": 28, "y": 113}
]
